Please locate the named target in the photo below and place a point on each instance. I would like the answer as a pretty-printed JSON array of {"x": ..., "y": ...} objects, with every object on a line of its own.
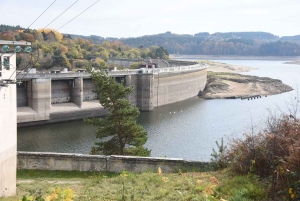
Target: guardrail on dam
[{"x": 54, "y": 97}]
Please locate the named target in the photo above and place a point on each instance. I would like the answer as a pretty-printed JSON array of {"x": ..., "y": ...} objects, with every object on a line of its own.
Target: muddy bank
[
  {"x": 224, "y": 67},
  {"x": 233, "y": 85},
  {"x": 233, "y": 57},
  {"x": 293, "y": 62}
]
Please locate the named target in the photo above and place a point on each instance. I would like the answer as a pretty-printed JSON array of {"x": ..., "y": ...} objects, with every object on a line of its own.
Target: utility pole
[{"x": 8, "y": 115}]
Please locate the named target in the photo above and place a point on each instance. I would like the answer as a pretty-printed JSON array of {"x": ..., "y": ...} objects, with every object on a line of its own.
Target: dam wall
[
  {"x": 88, "y": 90},
  {"x": 177, "y": 86},
  {"x": 22, "y": 99},
  {"x": 70, "y": 96},
  {"x": 60, "y": 91},
  {"x": 83, "y": 162}
]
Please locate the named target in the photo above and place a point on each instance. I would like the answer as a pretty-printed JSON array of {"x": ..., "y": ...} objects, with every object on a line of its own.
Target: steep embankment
[{"x": 223, "y": 83}]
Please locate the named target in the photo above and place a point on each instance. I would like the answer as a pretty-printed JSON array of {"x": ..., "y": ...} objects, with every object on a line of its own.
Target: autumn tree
[
  {"x": 119, "y": 132},
  {"x": 100, "y": 63}
]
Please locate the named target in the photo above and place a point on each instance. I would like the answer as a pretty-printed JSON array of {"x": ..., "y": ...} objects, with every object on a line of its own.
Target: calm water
[{"x": 187, "y": 129}]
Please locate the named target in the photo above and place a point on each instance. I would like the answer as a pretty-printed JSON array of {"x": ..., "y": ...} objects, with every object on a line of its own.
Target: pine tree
[{"x": 125, "y": 136}]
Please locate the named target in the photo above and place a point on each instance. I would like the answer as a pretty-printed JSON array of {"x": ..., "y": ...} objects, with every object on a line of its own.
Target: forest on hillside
[
  {"x": 229, "y": 43},
  {"x": 242, "y": 43},
  {"x": 53, "y": 49}
]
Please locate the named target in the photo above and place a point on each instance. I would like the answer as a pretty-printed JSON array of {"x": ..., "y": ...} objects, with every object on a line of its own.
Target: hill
[
  {"x": 231, "y": 43},
  {"x": 228, "y": 43},
  {"x": 53, "y": 49}
]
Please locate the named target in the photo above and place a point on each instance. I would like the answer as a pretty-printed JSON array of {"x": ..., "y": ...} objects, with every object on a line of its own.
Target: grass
[{"x": 144, "y": 186}]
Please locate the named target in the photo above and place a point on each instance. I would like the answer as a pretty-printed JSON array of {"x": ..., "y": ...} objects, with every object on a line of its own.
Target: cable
[
  {"x": 78, "y": 15},
  {"x": 38, "y": 56},
  {"x": 60, "y": 15},
  {"x": 41, "y": 14},
  {"x": 24, "y": 67}
]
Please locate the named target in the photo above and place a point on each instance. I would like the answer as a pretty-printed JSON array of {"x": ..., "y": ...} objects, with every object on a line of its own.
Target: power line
[
  {"x": 78, "y": 15},
  {"x": 60, "y": 14},
  {"x": 41, "y": 14},
  {"x": 38, "y": 56}
]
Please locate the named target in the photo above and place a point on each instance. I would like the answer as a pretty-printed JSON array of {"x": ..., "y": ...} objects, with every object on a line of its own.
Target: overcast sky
[{"x": 131, "y": 18}]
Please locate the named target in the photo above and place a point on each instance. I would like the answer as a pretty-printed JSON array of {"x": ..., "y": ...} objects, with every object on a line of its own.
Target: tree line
[
  {"x": 219, "y": 44},
  {"x": 51, "y": 49}
]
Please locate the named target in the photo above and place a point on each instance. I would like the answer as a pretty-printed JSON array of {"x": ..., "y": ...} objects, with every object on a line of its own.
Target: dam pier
[{"x": 44, "y": 97}]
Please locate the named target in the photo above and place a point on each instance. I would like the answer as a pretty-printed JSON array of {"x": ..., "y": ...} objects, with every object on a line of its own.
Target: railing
[
  {"x": 174, "y": 69},
  {"x": 70, "y": 75}
]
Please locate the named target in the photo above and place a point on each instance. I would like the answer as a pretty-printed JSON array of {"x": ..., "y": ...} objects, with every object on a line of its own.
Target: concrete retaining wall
[
  {"x": 124, "y": 62},
  {"x": 81, "y": 162},
  {"x": 22, "y": 99},
  {"x": 71, "y": 115},
  {"x": 76, "y": 91},
  {"x": 177, "y": 86},
  {"x": 60, "y": 92},
  {"x": 88, "y": 88},
  {"x": 39, "y": 99}
]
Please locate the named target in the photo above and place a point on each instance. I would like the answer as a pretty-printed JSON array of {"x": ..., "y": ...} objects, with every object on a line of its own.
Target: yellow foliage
[
  {"x": 159, "y": 171},
  {"x": 293, "y": 196},
  {"x": 198, "y": 181},
  {"x": 165, "y": 179},
  {"x": 58, "y": 35},
  {"x": 123, "y": 175},
  {"x": 61, "y": 194}
]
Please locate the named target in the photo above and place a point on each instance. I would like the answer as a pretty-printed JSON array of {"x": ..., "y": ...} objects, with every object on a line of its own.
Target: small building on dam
[{"x": 45, "y": 97}]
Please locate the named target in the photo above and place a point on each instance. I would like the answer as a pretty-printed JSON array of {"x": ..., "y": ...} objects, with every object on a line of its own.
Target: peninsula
[{"x": 223, "y": 81}]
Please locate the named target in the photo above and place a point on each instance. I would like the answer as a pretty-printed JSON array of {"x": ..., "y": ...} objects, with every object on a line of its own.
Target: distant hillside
[
  {"x": 291, "y": 38},
  {"x": 245, "y": 35},
  {"x": 53, "y": 50},
  {"x": 203, "y": 43},
  {"x": 231, "y": 43},
  {"x": 4, "y": 27}
]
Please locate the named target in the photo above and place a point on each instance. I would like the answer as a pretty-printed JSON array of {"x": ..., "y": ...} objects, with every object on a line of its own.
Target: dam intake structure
[{"x": 45, "y": 97}]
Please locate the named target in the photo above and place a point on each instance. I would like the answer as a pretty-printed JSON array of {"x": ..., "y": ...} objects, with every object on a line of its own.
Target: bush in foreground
[{"x": 273, "y": 154}]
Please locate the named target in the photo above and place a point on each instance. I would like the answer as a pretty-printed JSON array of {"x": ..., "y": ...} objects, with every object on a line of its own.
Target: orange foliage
[
  {"x": 7, "y": 36},
  {"x": 116, "y": 44},
  {"x": 63, "y": 49},
  {"x": 29, "y": 37}
]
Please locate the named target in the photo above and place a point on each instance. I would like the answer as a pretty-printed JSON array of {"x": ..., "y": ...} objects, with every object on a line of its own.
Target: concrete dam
[{"x": 45, "y": 97}]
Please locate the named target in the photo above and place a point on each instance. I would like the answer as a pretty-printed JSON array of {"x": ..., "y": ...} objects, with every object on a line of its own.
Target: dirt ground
[{"x": 224, "y": 82}]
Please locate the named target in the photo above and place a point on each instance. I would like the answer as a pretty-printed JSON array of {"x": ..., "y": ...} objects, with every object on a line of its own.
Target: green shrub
[{"x": 219, "y": 160}]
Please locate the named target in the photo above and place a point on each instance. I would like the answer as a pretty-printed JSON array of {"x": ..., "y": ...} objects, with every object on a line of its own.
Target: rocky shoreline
[
  {"x": 233, "y": 85},
  {"x": 223, "y": 83}
]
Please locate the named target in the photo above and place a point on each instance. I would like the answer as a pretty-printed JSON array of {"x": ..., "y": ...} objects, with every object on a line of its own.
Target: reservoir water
[{"x": 186, "y": 129}]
